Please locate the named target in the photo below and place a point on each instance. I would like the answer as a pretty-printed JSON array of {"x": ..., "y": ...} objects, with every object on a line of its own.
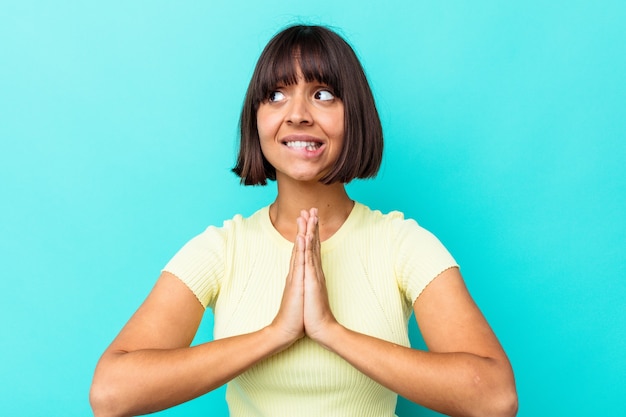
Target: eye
[
  {"x": 275, "y": 96},
  {"x": 324, "y": 95}
]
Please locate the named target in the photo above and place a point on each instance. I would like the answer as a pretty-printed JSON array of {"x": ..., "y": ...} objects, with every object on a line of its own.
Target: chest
[{"x": 362, "y": 291}]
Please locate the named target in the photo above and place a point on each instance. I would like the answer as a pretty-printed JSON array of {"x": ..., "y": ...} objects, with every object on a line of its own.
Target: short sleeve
[
  {"x": 419, "y": 258},
  {"x": 200, "y": 264}
]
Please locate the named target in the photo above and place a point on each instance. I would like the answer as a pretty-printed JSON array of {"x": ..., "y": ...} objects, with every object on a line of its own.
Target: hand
[
  {"x": 290, "y": 317},
  {"x": 318, "y": 316}
]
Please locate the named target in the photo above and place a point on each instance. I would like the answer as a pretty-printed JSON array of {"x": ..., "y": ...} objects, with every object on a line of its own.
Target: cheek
[
  {"x": 265, "y": 132},
  {"x": 339, "y": 121},
  {"x": 266, "y": 125},
  {"x": 339, "y": 129}
]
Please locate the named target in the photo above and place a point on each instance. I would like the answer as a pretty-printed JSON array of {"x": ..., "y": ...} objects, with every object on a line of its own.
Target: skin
[{"x": 150, "y": 366}]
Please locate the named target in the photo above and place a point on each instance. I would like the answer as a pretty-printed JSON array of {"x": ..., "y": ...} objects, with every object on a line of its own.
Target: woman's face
[{"x": 301, "y": 129}]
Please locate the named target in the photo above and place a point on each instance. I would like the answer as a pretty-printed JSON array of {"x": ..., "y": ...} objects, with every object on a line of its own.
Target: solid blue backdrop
[{"x": 505, "y": 135}]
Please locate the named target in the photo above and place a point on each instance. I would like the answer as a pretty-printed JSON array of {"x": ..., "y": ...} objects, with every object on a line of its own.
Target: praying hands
[{"x": 305, "y": 309}]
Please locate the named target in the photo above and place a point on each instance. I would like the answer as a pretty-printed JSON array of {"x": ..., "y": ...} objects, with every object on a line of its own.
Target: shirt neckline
[{"x": 326, "y": 245}]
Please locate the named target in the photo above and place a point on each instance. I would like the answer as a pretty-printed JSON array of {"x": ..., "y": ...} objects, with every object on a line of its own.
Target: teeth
[{"x": 310, "y": 146}]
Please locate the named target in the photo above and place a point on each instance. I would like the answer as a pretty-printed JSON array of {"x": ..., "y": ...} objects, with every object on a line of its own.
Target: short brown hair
[{"x": 323, "y": 56}]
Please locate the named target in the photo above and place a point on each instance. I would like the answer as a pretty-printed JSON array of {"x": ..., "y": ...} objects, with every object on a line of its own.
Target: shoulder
[
  {"x": 393, "y": 222},
  {"x": 365, "y": 216},
  {"x": 236, "y": 224},
  {"x": 405, "y": 237},
  {"x": 214, "y": 241}
]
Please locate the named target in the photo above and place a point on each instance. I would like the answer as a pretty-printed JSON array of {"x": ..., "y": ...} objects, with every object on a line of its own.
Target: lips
[
  {"x": 309, "y": 146},
  {"x": 308, "y": 143}
]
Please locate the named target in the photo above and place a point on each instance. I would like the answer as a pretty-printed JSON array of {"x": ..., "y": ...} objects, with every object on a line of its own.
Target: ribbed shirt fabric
[{"x": 376, "y": 265}]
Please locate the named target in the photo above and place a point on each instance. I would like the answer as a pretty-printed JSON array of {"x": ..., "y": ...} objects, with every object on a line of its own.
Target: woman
[{"x": 311, "y": 294}]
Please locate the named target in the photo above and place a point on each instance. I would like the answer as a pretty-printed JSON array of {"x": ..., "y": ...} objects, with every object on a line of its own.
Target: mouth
[
  {"x": 300, "y": 144},
  {"x": 309, "y": 144}
]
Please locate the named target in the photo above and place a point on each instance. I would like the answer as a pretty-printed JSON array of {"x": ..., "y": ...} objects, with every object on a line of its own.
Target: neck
[{"x": 332, "y": 201}]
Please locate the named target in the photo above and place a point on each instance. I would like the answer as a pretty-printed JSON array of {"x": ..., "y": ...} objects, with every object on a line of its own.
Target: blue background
[{"x": 505, "y": 129}]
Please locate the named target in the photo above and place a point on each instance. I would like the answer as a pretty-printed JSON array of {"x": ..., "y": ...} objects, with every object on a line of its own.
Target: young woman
[{"x": 312, "y": 294}]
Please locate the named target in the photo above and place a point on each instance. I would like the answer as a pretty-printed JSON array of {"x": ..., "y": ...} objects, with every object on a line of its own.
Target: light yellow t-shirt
[{"x": 375, "y": 266}]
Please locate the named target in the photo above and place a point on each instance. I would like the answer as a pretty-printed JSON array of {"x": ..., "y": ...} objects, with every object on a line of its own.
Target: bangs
[{"x": 299, "y": 51}]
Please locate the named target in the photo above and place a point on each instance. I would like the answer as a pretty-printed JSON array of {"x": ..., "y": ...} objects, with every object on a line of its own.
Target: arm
[
  {"x": 464, "y": 373},
  {"x": 150, "y": 366}
]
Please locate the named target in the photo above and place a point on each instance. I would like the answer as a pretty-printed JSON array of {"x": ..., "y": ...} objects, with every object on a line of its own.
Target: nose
[{"x": 298, "y": 111}]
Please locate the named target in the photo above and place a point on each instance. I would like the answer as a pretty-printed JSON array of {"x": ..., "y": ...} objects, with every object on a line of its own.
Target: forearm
[
  {"x": 144, "y": 381},
  {"x": 455, "y": 384}
]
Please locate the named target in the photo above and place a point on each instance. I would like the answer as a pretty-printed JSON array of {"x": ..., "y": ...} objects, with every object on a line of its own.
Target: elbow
[
  {"x": 496, "y": 405},
  {"x": 507, "y": 399},
  {"x": 503, "y": 402},
  {"x": 103, "y": 400},
  {"x": 505, "y": 405},
  {"x": 496, "y": 399},
  {"x": 98, "y": 401},
  {"x": 108, "y": 395}
]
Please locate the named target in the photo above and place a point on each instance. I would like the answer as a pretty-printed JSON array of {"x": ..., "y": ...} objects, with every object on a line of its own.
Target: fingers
[
  {"x": 312, "y": 250},
  {"x": 299, "y": 246},
  {"x": 289, "y": 319},
  {"x": 318, "y": 317},
  {"x": 312, "y": 223},
  {"x": 305, "y": 262},
  {"x": 297, "y": 260}
]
